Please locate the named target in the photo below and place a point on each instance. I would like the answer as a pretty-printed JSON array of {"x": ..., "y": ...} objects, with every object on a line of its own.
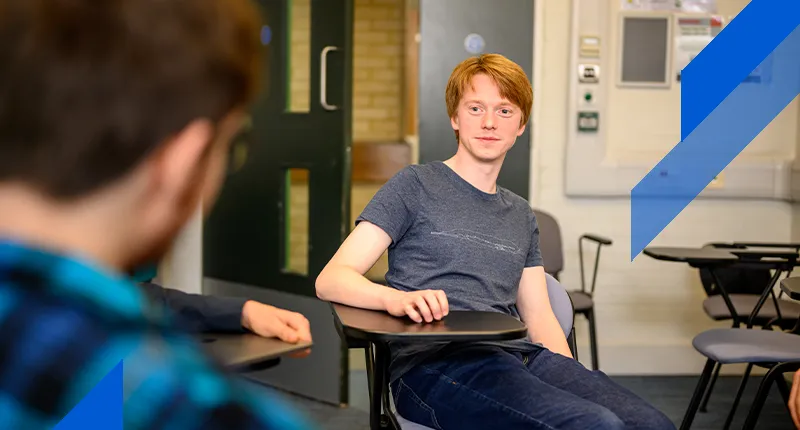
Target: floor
[{"x": 668, "y": 393}]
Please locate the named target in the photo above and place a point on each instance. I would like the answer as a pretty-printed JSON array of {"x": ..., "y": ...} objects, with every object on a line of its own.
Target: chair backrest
[
  {"x": 550, "y": 242},
  {"x": 561, "y": 304},
  {"x": 740, "y": 278}
]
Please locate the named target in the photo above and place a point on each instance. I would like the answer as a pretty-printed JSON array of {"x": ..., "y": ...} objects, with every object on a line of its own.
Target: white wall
[{"x": 647, "y": 311}]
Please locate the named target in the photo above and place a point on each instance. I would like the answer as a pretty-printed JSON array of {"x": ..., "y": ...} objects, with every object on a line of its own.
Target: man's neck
[
  {"x": 481, "y": 175},
  {"x": 74, "y": 229}
]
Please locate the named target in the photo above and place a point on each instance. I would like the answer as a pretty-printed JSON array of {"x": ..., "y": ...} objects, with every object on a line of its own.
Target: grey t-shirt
[{"x": 448, "y": 235}]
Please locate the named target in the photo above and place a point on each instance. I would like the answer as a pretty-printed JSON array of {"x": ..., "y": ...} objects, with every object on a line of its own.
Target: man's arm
[
  {"x": 197, "y": 312},
  {"x": 533, "y": 304},
  {"x": 343, "y": 281},
  {"x": 213, "y": 314}
]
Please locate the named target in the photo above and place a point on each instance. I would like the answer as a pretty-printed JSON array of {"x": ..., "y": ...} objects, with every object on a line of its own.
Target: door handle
[{"x": 323, "y": 78}]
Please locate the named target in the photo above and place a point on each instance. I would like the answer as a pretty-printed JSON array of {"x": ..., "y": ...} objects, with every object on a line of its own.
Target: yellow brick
[
  {"x": 361, "y": 101},
  {"x": 373, "y": 113},
  {"x": 361, "y": 74},
  {"x": 386, "y": 75},
  {"x": 371, "y": 62},
  {"x": 373, "y": 13},
  {"x": 388, "y": 24}
]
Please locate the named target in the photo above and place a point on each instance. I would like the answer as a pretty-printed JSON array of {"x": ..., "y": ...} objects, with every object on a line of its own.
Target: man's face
[{"x": 488, "y": 124}]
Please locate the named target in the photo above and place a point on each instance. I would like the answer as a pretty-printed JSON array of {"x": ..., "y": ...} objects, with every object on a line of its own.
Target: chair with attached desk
[
  {"x": 775, "y": 350},
  {"x": 552, "y": 249},
  {"x": 372, "y": 330},
  {"x": 745, "y": 282}
]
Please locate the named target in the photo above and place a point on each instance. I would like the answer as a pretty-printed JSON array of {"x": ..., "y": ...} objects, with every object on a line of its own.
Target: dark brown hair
[
  {"x": 89, "y": 87},
  {"x": 510, "y": 78}
]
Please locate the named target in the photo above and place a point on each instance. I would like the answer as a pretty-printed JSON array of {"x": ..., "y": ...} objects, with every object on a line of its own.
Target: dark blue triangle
[{"x": 101, "y": 408}]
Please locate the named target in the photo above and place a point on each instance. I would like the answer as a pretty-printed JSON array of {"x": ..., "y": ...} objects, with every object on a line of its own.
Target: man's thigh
[
  {"x": 488, "y": 388},
  {"x": 571, "y": 376}
]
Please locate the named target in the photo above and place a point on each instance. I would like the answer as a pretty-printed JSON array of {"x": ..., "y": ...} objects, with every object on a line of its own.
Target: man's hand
[
  {"x": 794, "y": 398},
  {"x": 269, "y": 321},
  {"x": 427, "y": 305}
]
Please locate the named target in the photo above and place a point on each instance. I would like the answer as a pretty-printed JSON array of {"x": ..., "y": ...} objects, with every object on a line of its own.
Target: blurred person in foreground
[{"x": 116, "y": 118}]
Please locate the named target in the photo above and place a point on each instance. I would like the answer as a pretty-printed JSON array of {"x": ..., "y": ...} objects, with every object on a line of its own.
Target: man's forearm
[
  {"x": 199, "y": 313},
  {"x": 547, "y": 331},
  {"x": 341, "y": 284}
]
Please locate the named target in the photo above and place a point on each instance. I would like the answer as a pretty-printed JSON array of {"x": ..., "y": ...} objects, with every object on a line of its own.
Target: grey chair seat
[
  {"x": 408, "y": 425},
  {"x": 581, "y": 301},
  {"x": 741, "y": 345},
  {"x": 716, "y": 308}
]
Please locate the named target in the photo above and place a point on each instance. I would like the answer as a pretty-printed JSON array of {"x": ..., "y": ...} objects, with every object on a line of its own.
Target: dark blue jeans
[{"x": 488, "y": 388}]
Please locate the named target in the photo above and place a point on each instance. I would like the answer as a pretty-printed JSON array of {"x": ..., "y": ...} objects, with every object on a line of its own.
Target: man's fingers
[
  {"x": 300, "y": 324},
  {"x": 424, "y": 310},
  {"x": 433, "y": 303},
  {"x": 287, "y": 334},
  {"x": 412, "y": 313},
  {"x": 443, "y": 302}
]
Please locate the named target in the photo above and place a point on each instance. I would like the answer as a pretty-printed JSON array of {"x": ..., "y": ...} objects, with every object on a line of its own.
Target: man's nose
[{"x": 489, "y": 120}]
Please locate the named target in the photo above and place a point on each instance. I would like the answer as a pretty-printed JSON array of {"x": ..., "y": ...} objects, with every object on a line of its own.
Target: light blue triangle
[{"x": 101, "y": 408}]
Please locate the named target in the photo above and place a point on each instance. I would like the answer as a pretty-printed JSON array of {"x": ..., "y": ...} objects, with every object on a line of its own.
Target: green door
[{"x": 284, "y": 208}]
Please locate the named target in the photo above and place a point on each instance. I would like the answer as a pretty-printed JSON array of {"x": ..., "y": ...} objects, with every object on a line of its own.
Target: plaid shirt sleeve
[{"x": 51, "y": 356}]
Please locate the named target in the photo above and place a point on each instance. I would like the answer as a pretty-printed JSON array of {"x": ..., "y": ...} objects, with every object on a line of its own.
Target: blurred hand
[
  {"x": 425, "y": 305},
  {"x": 794, "y": 400},
  {"x": 269, "y": 321}
]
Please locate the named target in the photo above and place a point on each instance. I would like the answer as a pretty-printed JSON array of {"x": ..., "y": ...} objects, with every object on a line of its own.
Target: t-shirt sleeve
[
  {"x": 534, "y": 253},
  {"x": 393, "y": 208}
]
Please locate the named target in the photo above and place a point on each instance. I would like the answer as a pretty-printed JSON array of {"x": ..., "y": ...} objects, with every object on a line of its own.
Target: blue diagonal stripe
[
  {"x": 728, "y": 128},
  {"x": 744, "y": 44}
]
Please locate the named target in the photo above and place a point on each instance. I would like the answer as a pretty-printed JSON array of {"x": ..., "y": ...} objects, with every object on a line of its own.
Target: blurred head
[
  {"x": 489, "y": 101},
  {"x": 125, "y": 105}
]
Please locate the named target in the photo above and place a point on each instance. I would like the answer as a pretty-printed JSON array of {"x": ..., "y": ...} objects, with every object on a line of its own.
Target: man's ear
[
  {"x": 454, "y": 122},
  {"x": 521, "y": 129},
  {"x": 181, "y": 157}
]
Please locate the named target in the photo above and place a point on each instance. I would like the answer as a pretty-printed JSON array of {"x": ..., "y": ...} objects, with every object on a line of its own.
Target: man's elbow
[{"x": 323, "y": 284}]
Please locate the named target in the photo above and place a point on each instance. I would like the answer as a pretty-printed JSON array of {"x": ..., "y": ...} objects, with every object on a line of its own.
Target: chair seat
[
  {"x": 581, "y": 301},
  {"x": 716, "y": 308},
  {"x": 741, "y": 345}
]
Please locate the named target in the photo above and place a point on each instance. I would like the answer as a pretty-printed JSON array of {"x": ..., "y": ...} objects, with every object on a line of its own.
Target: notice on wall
[
  {"x": 687, "y": 6},
  {"x": 693, "y": 35}
]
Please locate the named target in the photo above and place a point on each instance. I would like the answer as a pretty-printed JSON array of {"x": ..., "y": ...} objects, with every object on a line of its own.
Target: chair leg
[
  {"x": 593, "y": 339},
  {"x": 375, "y": 377},
  {"x": 369, "y": 359},
  {"x": 707, "y": 396},
  {"x": 573, "y": 344},
  {"x": 738, "y": 397},
  {"x": 783, "y": 387},
  {"x": 698, "y": 393},
  {"x": 761, "y": 397}
]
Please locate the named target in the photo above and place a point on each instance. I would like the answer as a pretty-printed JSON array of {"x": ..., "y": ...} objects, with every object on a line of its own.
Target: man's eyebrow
[{"x": 502, "y": 103}]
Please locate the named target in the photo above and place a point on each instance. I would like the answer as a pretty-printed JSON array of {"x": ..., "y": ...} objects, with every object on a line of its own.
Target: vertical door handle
[{"x": 323, "y": 78}]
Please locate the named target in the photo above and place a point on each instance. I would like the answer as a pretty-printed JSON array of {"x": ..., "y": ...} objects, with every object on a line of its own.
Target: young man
[
  {"x": 115, "y": 123},
  {"x": 458, "y": 241}
]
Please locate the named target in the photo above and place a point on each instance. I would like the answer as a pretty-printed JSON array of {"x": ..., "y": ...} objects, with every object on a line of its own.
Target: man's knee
[{"x": 601, "y": 419}]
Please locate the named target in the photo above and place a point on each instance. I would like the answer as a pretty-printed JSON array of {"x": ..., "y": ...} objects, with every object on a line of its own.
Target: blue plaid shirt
[{"x": 64, "y": 324}]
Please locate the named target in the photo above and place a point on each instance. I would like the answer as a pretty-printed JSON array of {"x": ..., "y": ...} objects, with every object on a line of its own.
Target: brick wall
[{"x": 378, "y": 70}]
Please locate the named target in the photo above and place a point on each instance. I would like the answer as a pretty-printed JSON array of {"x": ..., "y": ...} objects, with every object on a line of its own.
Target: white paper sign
[
  {"x": 693, "y": 35},
  {"x": 692, "y": 6}
]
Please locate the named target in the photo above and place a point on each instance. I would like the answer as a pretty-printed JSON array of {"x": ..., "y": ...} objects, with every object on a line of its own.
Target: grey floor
[{"x": 670, "y": 394}]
